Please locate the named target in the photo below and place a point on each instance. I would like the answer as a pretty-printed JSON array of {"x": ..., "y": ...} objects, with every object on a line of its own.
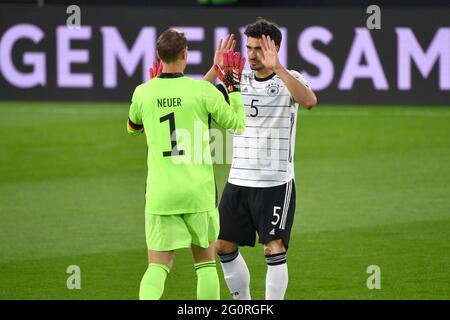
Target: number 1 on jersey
[{"x": 173, "y": 136}]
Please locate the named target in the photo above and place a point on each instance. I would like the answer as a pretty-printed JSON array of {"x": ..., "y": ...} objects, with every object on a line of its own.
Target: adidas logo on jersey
[
  {"x": 244, "y": 89},
  {"x": 272, "y": 233}
]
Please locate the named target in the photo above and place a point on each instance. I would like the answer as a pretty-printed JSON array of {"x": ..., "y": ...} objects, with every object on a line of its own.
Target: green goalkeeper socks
[
  {"x": 152, "y": 283},
  {"x": 208, "y": 287}
]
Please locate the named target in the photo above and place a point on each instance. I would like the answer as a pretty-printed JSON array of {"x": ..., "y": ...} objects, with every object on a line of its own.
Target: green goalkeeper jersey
[{"x": 173, "y": 111}]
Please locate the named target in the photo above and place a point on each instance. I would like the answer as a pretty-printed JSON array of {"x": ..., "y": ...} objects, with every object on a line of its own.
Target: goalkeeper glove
[
  {"x": 155, "y": 70},
  {"x": 231, "y": 73}
]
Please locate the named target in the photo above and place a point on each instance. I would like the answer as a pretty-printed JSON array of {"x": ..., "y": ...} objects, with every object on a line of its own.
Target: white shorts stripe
[{"x": 286, "y": 204}]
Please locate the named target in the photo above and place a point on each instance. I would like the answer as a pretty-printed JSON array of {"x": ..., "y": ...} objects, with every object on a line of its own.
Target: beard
[{"x": 257, "y": 67}]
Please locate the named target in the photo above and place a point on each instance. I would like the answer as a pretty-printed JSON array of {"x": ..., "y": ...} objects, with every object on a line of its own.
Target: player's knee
[
  {"x": 274, "y": 247},
  {"x": 224, "y": 247},
  {"x": 202, "y": 254},
  {"x": 165, "y": 258}
]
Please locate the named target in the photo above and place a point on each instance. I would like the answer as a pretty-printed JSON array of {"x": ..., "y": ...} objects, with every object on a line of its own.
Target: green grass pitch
[{"x": 373, "y": 188}]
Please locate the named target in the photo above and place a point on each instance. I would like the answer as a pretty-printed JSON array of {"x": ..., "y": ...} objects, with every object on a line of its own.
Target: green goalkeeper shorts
[{"x": 170, "y": 232}]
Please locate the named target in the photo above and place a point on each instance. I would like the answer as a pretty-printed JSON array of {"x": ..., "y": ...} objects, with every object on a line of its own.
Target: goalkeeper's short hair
[{"x": 170, "y": 44}]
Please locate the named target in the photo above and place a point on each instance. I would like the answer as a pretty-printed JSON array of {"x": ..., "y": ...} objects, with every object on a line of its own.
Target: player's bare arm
[
  {"x": 302, "y": 94},
  {"x": 224, "y": 45}
]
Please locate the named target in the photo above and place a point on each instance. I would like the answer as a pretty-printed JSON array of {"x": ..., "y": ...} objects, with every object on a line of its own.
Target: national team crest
[{"x": 273, "y": 89}]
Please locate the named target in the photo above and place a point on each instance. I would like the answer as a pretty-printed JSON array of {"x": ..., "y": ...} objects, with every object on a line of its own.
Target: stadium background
[{"x": 372, "y": 160}]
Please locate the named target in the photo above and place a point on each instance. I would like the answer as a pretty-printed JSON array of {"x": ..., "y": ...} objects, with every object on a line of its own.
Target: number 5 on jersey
[{"x": 252, "y": 106}]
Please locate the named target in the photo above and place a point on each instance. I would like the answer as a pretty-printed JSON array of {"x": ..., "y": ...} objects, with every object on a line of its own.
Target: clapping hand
[
  {"x": 155, "y": 70},
  {"x": 231, "y": 72}
]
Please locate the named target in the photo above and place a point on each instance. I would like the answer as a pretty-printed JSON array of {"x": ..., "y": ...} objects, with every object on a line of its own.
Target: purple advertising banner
[{"x": 102, "y": 54}]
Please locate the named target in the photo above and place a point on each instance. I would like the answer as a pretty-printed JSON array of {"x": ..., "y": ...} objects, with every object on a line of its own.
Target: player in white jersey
[{"x": 259, "y": 196}]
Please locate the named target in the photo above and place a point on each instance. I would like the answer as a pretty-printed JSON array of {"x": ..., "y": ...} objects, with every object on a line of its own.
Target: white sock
[
  {"x": 276, "y": 277},
  {"x": 236, "y": 275}
]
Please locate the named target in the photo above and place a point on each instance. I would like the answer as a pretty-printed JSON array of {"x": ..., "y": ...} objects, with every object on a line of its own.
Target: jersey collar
[
  {"x": 265, "y": 78},
  {"x": 171, "y": 75}
]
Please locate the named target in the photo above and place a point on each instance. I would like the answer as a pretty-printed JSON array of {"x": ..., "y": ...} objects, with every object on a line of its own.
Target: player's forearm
[
  {"x": 237, "y": 105},
  {"x": 231, "y": 117},
  {"x": 210, "y": 75},
  {"x": 302, "y": 94},
  {"x": 134, "y": 129}
]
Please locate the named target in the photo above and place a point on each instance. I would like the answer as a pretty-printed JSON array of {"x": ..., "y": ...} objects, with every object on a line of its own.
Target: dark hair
[
  {"x": 170, "y": 44},
  {"x": 263, "y": 27}
]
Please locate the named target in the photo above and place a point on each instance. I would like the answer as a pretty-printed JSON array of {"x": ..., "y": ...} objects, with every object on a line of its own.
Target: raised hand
[
  {"x": 225, "y": 45},
  {"x": 231, "y": 72},
  {"x": 270, "y": 55},
  {"x": 155, "y": 70}
]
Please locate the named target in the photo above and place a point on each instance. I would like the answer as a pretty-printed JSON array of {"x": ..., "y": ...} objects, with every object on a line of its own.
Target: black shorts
[{"x": 247, "y": 210}]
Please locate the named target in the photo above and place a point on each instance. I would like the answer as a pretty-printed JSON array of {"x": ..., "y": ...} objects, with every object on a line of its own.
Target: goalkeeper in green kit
[{"x": 181, "y": 208}]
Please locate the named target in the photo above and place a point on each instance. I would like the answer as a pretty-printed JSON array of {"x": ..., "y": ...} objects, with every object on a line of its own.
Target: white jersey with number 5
[{"x": 263, "y": 155}]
